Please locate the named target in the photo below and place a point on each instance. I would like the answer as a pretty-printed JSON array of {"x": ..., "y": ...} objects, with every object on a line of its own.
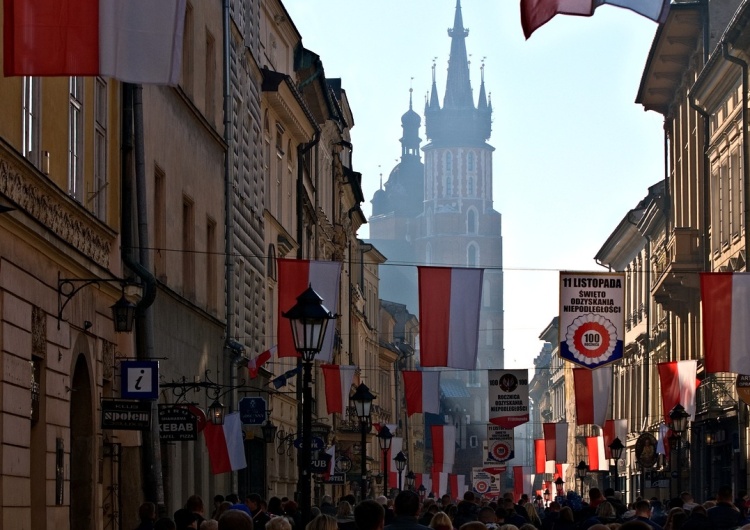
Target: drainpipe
[
  {"x": 706, "y": 181},
  {"x": 741, "y": 407},
  {"x": 153, "y": 485}
]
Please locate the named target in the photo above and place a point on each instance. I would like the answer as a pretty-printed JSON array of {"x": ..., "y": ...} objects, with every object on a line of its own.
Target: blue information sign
[
  {"x": 140, "y": 379},
  {"x": 253, "y": 410}
]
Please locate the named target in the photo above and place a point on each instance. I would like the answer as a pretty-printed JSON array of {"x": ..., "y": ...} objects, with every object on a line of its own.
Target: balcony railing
[{"x": 716, "y": 393}]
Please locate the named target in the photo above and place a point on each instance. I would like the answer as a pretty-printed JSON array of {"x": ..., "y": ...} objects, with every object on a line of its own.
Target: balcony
[{"x": 676, "y": 285}]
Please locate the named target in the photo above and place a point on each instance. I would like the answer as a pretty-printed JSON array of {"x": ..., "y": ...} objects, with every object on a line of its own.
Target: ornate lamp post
[
  {"x": 269, "y": 431},
  {"x": 559, "y": 485},
  {"x": 422, "y": 492},
  {"x": 400, "y": 460},
  {"x": 362, "y": 399},
  {"x": 309, "y": 320},
  {"x": 546, "y": 497},
  {"x": 582, "y": 470},
  {"x": 384, "y": 439},
  {"x": 680, "y": 418},
  {"x": 615, "y": 448},
  {"x": 410, "y": 479}
]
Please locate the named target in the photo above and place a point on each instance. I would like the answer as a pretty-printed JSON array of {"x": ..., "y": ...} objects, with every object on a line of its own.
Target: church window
[
  {"x": 471, "y": 162},
  {"x": 471, "y": 221},
  {"x": 472, "y": 255},
  {"x": 448, "y": 163},
  {"x": 448, "y": 186},
  {"x": 486, "y": 293},
  {"x": 470, "y": 187}
]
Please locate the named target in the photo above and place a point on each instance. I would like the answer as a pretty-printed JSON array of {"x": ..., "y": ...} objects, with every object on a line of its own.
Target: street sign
[
  {"x": 316, "y": 444},
  {"x": 320, "y": 465},
  {"x": 124, "y": 415},
  {"x": 253, "y": 410},
  {"x": 177, "y": 424},
  {"x": 140, "y": 379},
  {"x": 337, "y": 479}
]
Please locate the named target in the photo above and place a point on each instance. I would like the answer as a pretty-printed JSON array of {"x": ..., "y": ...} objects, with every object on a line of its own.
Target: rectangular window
[
  {"x": 188, "y": 248},
  {"x": 160, "y": 224},
  {"x": 210, "y": 78},
  {"x": 99, "y": 195},
  {"x": 31, "y": 128},
  {"x": 735, "y": 177},
  {"x": 75, "y": 139},
  {"x": 211, "y": 253}
]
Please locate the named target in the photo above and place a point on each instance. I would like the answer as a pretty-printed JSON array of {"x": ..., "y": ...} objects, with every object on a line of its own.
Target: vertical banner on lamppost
[
  {"x": 500, "y": 447},
  {"x": 508, "y": 397},
  {"x": 592, "y": 317}
]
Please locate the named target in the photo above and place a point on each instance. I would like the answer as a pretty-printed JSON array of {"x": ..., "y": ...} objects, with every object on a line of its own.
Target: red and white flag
[
  {"x": 678, "y": 385},
  {"x": 338, "y": 385},
  {"x": 523, "y": 481},
  {"x": 726, "y": 312},
  {"x": 540, "y": 456},
  {"x": 443, "y": 447},
  {"x": 423, "y": 479},
  {"x": 439, "y": 481},
  {"x": 550, "y": 441},
  {"x": 614, "y": 429},
  {"x": 422, "y": 390},
  {"x": 457, "y": 485},
  {"x": 254, "y": 364},
  {"x": 331, "y": 452},
  {"x": 449, "y": 304},
  {"x": 536, "y": 13},
  {"x": 225, "y": 444},
  {"x": 135, "y": 41},
  {"x": 397, "y": 444},
  {"x": 597, "y": 458},
  {"x": 295, "y": 276},
  {"x": 556, "y": 441},
  {"x": 592, "y": 393}
]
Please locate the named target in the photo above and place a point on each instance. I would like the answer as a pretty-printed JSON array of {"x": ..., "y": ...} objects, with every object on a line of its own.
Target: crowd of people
[{"x": 602, "y": 511}]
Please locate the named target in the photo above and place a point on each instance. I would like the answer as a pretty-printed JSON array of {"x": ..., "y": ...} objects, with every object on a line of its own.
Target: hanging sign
[
  {"x": 177, "y": 424},
  {"x": 508, "y": 397},
  {"x": 252, "y": 410},
  {"x": 140, "y": 379},
  {"x": 119, "y": 414},
  {"x": 592, "y": 317},
  {"x": 743, "y": 387},
  {"x": 500, "y": 446}
]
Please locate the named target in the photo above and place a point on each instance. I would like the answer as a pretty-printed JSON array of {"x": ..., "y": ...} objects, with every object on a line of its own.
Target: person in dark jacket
[
  {"x": 406, "y": 507},
  {"x": 147, "y": 516},
  {"x": 725, "y": 515},
  {"x": 698, "y": 519}
]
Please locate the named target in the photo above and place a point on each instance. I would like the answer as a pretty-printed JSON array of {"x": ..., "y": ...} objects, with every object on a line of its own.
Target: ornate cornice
[{"x": 50, "y": 207}]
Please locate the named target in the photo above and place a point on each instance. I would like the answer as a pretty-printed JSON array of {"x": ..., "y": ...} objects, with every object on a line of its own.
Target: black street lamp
[
  {"x": 384, "y": 439},
  {"x": 400, "y": 460},
  {"x": 582, "y": 470},
  {"x": 309, "y": 320},
  {"x": 362, "y": 399},
  {"x": 680, "y": 418},
  {"x": 269, "y": 431},
  {"x": 410, "y": 479},
  {"x": 216, "y": 411},
  {"x": 422, "y": 492},
  {"x": 559, "y": 485},
  {"x": 615, "y": 448}
]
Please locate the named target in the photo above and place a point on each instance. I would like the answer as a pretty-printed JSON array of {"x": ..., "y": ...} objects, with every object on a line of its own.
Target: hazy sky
[{"x": 573, "y": 152}]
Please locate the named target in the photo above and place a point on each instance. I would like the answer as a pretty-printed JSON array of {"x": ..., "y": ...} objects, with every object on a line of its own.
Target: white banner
[
  {"x": 500, "y": 445},
  {"x": 508, "y": 397}
]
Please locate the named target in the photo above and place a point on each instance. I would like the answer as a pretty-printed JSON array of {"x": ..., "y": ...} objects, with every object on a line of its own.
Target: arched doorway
[{"x": 81, "y": 448}]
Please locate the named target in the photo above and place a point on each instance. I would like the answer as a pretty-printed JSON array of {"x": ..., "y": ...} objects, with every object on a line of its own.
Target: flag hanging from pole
[
  {"x": 135, "y": 41},
  {"x": 597, "y": 459},
  {"x": 254, "y": 364},
  {"x": 225, "y": 444},
  {"x": 678, "y": 385},
  {"x": 540, "y": 456},
  {"x": 443, "y": 447},
  {"x": 592, "y": 393},
  {"x": 725, "y": 297},
  {"x": 338, "y": 384},
  {"x": 614, "y": 429},
  {"x": 449, "y": 304},
  {"x": 422, "y": 390}
]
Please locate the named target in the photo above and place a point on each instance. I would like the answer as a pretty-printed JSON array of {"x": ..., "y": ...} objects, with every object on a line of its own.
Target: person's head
[
  {"x": 223, "y": 507},
  {"x": 165, "y": 523},
  {"x": 194, "y": 504},
  {"x": 598, "y": 527},
  {"x": 218, "y": 499},
  {"x": 487, "y": 515},
  {"x": 609, "y": 492},
  {"x": 675, "y": 518},
  {"x": 595, "y": 494},
  {"x": 698, "y": 511},
  {"x": 369, "y": 515},
  {"x": 290, "y": 507},
  {"x": 686, "y": 497},
  {"x": 147, "y": 512},
  {"x": 508, "y": 527},
  {"x": 233, "y": 498},
  {"x": 643, "y": 508},
  {"x": 724, "y": 494},
  {"x": 321, "y": 522},
  {"x": 274, "y": 506},
  {"x": 469, "y": 496},
  {"x": 566, "y": 514},
  {"x": 441, "y": 521},
  {"x": 606, "y": 510},
  {"x": 254, "y": 502},
  {"x": 708, "y": 505},
  {"x": 209, "y": 524},
  {"x": 278, "y": 523},
  {"x": 473, "y": 525},
  {"x": 407, "y": 503},
  {"x": 531, "y": 514},
  {"x": 235, "y": 520},
  {"x": 528, "y": 526},
  {"x": 351, "y": 499},
  {"x": 344, "y": 509},
  {"x": 327, "y": 499},
  {"x": 445, "y": 500},
  {"x": 554, "y": 506}
]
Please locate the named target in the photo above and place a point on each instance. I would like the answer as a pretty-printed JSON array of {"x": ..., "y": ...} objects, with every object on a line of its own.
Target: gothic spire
[
  {"x": 434, "y": 101},
  {"x": 482, "y": 104},
  {"x": 458, "y": 86}
]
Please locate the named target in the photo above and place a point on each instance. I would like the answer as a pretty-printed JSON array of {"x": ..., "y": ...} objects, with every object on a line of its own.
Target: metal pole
[
  {"x": 385, "y": 473},
  {"x": 304, "y": 461},
  {"x": 363, "y": 467},
  {"x": 399, "y": 481}
]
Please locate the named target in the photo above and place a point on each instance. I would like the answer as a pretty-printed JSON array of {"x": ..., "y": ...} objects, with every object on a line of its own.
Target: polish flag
[
  {"x": 135, "y": 41},
  {"x": 536, "y": 13},
  {"x": 449, "y": 303},
  {"x": 331, "y": 452},
  {"x": 592, "y": 392},
  {"x": 225, "y": 445},
  {"x": 662, "y": 444},
  {"x": 254, "y": 364},
  {"x": 295, "y": 276},
  {"x": 678, "y": 385},
  {"x": 457, "y": 485},
  {"x": 439, "y": 483},
  {"x": 443, "y": 447},
  {"x": 614, "y": 429},
  {"x": 397, "y": 445},
  {"x": 558, "y": 451},
  {"x": 422, "y": 391},
  {"x": 726, "y": 312},
  {"x": 540, "y": 456},
  {"x": 338, "y": 385},
  {"x": 550, "y": 440},
  {"x": 423, "y": 479},
  {"x": 523, "y": 481},
  {"x": 597, "y": 458}
]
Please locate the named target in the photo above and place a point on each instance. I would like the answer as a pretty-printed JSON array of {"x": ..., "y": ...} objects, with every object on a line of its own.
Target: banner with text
[
  {"x": 485, "y": 483},
  {"x": 508, "y": 397},
  {"x": 500, "y": 446},
  {"x": 592, "y": 317}
]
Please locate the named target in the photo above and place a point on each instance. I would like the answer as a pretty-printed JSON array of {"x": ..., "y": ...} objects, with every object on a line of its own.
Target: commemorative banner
[
  {"x": 508, "y": 397},
  {"x": 485, "y": 483},
  {"x": 592, "y": 317},
  {"x": 500, "y": 446}
]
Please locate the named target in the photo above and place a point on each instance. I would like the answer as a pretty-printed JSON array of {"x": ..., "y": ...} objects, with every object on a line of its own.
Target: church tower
[{"x": 459, "y": 226}]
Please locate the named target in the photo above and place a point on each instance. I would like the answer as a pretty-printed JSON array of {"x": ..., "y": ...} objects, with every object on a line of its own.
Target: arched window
[
  {"x": 470, "y": 187},
  {"x": 449, "y": 186},
  {"x": 448, "y": 163},
  {"x": 471, "y": 221},
  {"x": 471, "y": 161},
  {"x": 472, "y": 255}
]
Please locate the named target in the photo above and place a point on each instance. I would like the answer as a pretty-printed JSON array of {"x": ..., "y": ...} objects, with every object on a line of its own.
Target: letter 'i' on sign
[{"x": 140, "y": 379}]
